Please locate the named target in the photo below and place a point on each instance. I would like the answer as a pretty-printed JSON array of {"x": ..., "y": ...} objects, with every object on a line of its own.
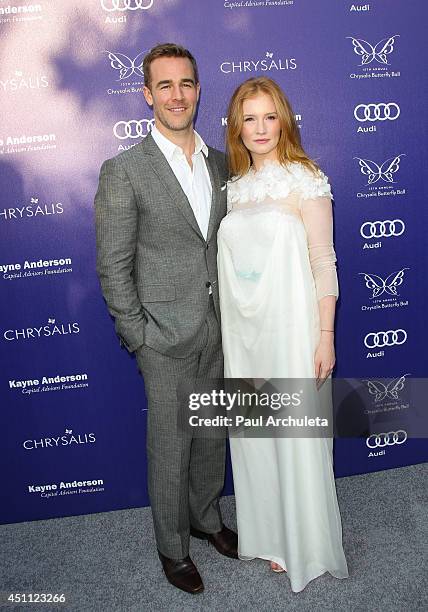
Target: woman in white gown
[{"x": 278, "y": 290}]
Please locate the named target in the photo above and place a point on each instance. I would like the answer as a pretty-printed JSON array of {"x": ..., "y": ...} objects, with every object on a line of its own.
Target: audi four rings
[
  {"x": 392, "y": 337},
  {"x": 126, "y": 5},
  {"x": 386, "y": 439},
  {"x": 135, "y": 128},
  {"x": 377, "y": 112},
  {"x": 382, "y": 229}
]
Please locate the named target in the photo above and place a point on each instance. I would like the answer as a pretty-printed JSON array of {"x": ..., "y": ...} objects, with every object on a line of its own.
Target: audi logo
[
  {"x": 126, "y": 5},
  {"x": 382, "y": 229},
  {"x": 386, "y": 439},
  {"x": 377, "y": 112},
  {"x": 392, "y": 337},
  {"x": 135, "y": 128}
]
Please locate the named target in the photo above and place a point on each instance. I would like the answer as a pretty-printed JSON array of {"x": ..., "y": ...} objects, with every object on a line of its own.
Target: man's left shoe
[{"x": 225, "y": 541}]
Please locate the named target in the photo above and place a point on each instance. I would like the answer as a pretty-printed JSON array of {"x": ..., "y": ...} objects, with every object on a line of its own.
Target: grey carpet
[{"x": 107, "y": 562}]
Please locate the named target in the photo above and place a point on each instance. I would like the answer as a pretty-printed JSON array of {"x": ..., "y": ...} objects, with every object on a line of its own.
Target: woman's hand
[{"x": 324, "y": 358}]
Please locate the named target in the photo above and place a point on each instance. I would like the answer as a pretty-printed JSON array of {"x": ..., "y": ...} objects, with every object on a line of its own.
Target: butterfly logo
[
  {"x": 370, "y": 53},
  {"x": 126, "y": 66},
  {"x": 68, "y": 431},
  {"x": 378, "y": 285},
  {"x": 383, "y": 172},
  {"x": 382, "y": 391},
  {"x": 270, "y": 55},
  {"x": 52, "y": 321},
  {"x": 34, "y": 200}
]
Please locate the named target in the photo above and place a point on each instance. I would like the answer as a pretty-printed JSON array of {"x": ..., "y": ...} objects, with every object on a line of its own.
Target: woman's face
[{"x": 260, "y": 130}]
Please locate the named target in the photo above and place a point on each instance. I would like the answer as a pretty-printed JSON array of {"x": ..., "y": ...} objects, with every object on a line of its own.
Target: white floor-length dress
[{"x": 275, "y": 261}]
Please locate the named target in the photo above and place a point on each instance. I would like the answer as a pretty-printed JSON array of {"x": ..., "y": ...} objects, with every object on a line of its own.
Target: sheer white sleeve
[{"x": 317, "y": 217}]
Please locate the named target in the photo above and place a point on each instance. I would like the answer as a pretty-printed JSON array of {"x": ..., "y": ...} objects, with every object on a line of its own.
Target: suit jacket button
[{"x": 208, "y": 284}]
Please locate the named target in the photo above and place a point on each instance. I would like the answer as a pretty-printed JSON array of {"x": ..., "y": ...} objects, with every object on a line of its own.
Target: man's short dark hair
[{"x": 167, "y": 50}]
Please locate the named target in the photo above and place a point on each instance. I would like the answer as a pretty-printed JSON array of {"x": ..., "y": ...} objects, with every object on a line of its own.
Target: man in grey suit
[{"x": 158, "y": 208}]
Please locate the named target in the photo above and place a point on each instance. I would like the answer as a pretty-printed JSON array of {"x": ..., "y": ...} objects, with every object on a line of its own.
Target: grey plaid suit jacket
[{"x": 153, "y": 263}]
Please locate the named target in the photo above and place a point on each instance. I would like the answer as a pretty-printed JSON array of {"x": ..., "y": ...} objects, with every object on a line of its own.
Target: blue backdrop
[{"x": 73, "y": 408}]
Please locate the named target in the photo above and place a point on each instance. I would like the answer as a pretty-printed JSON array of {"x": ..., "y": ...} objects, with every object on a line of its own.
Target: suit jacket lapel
[
  {"x": 169, "y": 180},
  {"x": 216, "y": 193}
]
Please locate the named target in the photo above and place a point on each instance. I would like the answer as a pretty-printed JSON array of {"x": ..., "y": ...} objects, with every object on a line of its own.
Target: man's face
[{"x": 173, "y": 93}]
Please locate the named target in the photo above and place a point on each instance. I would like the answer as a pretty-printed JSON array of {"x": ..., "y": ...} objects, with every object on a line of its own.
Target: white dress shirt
[{"x": 194, "y": 181}]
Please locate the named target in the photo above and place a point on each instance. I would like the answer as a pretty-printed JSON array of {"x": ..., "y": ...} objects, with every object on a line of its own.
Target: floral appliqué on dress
[{"x": 275, "y": 181}]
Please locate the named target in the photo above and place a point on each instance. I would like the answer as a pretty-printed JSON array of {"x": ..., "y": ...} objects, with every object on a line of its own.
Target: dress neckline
[
  {"x": 267, "y": 162},
  {"x": 275, "y": 180}
]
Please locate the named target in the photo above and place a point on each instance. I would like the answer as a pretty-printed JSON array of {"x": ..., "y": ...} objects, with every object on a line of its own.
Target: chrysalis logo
[
  {"x": 383, "y": 172},
  {"x": 22, "y": 82},
  {"x": 267, "y": 64},
  {"x": 373, "y": 53},
  {"x": 378, "y": 285},
  {"x": 33, "y": 209},
  {"x": 125, "y": 65},
  {"x": 67, "y": 439},
  {"x": 388, "y": 391},
  {"x": 51, "y": 329}
]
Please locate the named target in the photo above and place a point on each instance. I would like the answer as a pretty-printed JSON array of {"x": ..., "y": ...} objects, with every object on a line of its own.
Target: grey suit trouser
[{"x": 185, "y": 474}]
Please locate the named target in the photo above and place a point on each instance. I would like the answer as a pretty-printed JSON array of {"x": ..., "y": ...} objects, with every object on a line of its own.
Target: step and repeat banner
[{"x": 73, "y": 408}]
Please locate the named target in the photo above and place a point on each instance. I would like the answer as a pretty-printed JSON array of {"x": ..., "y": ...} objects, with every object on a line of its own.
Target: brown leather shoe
[
  {"x": 182, "y": 573},
  {"x": 225, "y": 541}
]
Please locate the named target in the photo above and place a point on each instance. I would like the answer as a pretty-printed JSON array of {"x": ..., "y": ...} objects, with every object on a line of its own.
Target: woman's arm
[
  {"x": 324, "y": 355},
  {"x": 318, "y": 220}
]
